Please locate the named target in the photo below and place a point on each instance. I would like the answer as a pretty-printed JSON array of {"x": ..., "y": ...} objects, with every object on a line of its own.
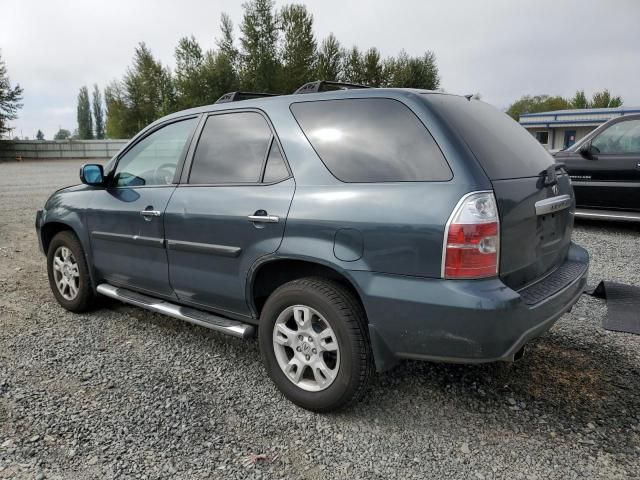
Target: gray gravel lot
[{"x": 123, "y": 393}]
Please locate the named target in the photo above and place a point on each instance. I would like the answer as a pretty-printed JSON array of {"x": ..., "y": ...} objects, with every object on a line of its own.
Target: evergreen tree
[
  {"x": 85, "y": 122},
  {"x": 189, "y": 78},
  {"x": 98, "y": 112},
  {"x": 148, "y": 90},
  {"x": 39, "y": 135},
  {"x": 9, "y": 99},
  {"x": 226, "y": 44},
  {"x": 352, "y": 69},
  {"x": 372, "y": 69},
  {"x": 329, "y": 62},
  {"x": 259, "y": 56},
  {"x": 579, "y": 100},
  {"x": 219, "y": 75},
  {"x": 298, "y": 48}
]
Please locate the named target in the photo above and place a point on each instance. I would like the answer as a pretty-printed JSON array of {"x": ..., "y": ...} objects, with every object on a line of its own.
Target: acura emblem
[{"x": 555, "y": 190}]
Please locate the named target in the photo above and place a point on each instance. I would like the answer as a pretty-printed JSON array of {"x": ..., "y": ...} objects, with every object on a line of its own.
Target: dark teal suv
[{"x": 353, "y": 228}]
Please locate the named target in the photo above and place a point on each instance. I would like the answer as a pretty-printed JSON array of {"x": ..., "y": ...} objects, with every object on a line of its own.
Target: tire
[
  {"x": 84, "y": 296},
  {"x": 330, "y": 378}
]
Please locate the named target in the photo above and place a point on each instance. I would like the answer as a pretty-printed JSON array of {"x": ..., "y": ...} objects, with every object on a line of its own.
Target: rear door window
[
  {"x": 371, "y": 140},
  {"x": 231, "y": 149}
]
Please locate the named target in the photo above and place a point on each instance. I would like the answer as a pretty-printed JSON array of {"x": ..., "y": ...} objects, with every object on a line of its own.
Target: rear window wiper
[{"x": 549, "y": 175}]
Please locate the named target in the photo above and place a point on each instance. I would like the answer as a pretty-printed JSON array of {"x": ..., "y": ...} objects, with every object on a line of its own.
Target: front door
[
  {"x": 611, "y": 179},
  {"x": 126, "y": 218},
  {"x": 230, "y": 210}
]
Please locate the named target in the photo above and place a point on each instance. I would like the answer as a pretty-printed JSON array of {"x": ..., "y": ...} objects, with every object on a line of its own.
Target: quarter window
[
  {"x": 371, "y": 140},
  {"x": 231, "y": 149},
  {"x": 154, "y": 159},
  {"x": 620, "y": 138},
  {"x": 275, "y": 169}
]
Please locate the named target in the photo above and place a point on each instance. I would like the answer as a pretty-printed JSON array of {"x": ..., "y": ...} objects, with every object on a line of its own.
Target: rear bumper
[{"x": 461, "y": 321}]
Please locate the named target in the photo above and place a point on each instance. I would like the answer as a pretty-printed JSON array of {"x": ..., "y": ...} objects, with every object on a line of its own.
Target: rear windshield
[
  {"x": 371, "y": 140},
  {"x": 501, "y": 145}
]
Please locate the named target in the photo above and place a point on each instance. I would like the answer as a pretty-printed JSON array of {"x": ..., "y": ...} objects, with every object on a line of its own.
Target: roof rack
[
  {"x": 325, "y": 86},
  {"x": 239, "y": 96}
]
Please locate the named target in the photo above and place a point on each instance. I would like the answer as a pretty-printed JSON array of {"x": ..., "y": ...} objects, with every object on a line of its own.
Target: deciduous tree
[{"x": 62, "y": 134}]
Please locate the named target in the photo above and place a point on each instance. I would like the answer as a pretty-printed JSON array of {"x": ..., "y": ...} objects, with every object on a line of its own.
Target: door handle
[
  {"x": 150, "y": 213},
  {"x": 264, "y": 218}
]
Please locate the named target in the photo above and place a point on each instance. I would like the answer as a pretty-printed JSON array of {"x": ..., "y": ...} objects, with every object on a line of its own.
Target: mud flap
[{"x": 623, "y": 306}]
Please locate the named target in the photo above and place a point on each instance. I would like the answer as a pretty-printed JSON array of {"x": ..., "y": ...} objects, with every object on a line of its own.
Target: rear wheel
[
  {"x": 314, "y": 344},
  {"x": 68, "y": 273}
]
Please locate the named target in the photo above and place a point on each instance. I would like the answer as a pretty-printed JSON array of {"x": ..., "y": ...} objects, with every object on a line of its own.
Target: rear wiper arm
[{"x": 550, "y": 177}]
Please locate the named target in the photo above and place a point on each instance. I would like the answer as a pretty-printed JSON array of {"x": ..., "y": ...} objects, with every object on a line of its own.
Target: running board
[
  {"x": 618, "y": 215},
  {"x": 191, "y": 315}
]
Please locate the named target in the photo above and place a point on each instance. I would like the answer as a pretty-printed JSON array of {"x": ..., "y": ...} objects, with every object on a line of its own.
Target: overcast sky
[{"x": 502, "y": 49}]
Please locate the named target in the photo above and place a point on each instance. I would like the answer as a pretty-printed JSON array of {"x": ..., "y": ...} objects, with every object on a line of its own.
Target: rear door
[
  {"x": 535, "y": 202},
  {"x": 229, "y": 210}
]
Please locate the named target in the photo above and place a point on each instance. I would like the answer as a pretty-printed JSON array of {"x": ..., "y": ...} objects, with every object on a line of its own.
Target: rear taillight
[{"x": 472, "y": 238}]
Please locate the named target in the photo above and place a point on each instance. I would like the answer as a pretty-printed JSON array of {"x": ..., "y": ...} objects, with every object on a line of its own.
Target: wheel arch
[{"x": 270, "y": 273}]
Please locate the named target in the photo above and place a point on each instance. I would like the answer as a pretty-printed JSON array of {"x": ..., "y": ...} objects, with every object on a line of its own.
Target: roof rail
[
  {"x": 239, "y": 96},
  {"x": 321, "y": 86}
]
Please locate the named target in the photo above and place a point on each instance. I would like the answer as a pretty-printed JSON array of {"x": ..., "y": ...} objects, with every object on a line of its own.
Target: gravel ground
[{"x": 123, "y": 393}]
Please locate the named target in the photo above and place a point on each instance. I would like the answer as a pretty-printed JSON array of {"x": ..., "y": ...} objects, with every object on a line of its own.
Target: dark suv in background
[
  {"x": 605, "y": 170},
  {"x": 354, "y": 228}
]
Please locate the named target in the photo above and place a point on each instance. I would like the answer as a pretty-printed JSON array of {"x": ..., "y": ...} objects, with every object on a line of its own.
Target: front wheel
[
  {"x": 68, "y": 273},
  {"x": 314, "y": 344}
]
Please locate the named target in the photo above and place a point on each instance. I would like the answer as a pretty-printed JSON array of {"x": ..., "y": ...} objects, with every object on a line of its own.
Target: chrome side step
[
  {"x": 620, "y": 216},
  {"x": 191, "y": 315}
]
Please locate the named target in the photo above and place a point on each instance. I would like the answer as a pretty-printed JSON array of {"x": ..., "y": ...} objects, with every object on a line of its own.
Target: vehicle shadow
[{"x": 564, "y": 382}]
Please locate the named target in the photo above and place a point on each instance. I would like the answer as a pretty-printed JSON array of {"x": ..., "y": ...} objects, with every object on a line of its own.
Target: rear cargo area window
[
  {"x": 371, "y": 140},
  {"x": 502, "y": 147}
]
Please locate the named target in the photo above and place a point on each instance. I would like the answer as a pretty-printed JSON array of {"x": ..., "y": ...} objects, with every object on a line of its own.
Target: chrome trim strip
[
  {"x": 208, "y": 320},
  {"x": 629, "y": 217},
  {"x": 553, "y": 204},
  {"x": 194, "y": 247},
  {"x": 135, "y": 239}
]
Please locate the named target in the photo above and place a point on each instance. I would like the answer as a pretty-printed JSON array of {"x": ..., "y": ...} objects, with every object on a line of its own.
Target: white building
[{"x": 562, "y": 128}]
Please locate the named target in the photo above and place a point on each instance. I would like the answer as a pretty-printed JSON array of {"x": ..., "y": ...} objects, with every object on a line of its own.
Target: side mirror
[
  {"x": 92, "y": 174},
  {"x": 587, "y": 151}
]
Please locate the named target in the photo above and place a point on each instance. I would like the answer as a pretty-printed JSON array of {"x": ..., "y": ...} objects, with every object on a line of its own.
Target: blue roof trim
[
  {"x": 595, "y": 111},
  {"x": 564, "y": 122}
]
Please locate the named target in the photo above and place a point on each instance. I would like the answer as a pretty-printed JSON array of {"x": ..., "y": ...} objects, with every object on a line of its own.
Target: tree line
[
  {"x": 276, "y": 52},
  {"x": 548, "y": 103}
]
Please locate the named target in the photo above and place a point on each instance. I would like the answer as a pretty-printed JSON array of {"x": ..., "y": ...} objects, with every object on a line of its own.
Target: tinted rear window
[
  {"x": 501, "y": 145},
  {"x": 371, "y": 140}
]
